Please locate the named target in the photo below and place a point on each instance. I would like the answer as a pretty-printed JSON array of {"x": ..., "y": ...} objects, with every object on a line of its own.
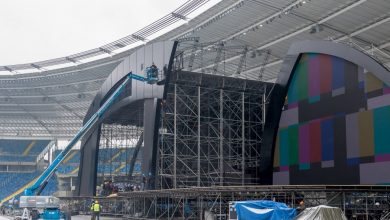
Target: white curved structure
[{"x": 52, "y": 103}]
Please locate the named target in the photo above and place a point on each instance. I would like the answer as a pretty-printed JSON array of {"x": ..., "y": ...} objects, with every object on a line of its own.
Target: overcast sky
[{"x": 36, "y": 30}]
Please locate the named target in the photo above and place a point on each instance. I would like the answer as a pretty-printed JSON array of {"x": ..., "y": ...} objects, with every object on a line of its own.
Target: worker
[
  {"x": 301, "y": 206},
  {"x": 152, "y": 71},
  {"x": 95, "y": 210}
]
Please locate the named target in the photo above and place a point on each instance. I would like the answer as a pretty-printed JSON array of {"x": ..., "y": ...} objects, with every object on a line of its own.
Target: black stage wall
[{"x": 159, "y": 53}]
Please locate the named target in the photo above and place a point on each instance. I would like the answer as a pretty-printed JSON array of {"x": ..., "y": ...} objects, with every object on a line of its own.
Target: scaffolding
[
  {"x": 115, "y": 142},
  {"x": 211, "y": 131}
]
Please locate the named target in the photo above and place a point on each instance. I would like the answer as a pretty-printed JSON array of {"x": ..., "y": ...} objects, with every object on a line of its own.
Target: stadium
[{"x": 250, "y": 100}]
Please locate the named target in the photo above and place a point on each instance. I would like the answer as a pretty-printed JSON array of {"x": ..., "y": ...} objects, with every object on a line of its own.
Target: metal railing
[{"x": 370, "y": 50}]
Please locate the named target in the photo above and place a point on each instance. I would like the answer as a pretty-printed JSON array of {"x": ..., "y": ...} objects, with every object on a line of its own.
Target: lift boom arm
[{"x": 41, "y": 182}]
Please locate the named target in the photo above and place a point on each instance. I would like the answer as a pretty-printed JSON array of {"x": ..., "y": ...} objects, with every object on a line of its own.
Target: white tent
[{"x": 321, "y": 212}]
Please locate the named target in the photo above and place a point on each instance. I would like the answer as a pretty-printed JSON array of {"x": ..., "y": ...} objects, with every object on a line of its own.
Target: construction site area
[{"x": 250, "y": 109}]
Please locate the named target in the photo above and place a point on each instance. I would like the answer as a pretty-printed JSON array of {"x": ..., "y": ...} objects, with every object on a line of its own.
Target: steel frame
[{"x": 210, "y": 135}]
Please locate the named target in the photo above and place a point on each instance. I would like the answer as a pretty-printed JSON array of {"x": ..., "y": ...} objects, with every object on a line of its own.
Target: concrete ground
[
  {"x": 87, "y": 217},
  {"x": 77, "y": 217}
]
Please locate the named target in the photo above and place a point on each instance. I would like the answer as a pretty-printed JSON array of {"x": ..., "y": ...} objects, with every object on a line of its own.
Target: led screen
[{"x": 335, "y": 125}]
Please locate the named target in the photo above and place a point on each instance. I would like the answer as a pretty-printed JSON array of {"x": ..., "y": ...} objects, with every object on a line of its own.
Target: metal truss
[
  {"x": 210, "y": 135},
  {"x": 213, "y": 58}
]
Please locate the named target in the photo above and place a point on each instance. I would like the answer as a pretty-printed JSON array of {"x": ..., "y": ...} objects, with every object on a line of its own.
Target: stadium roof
[{"x": 252, "y": 35}]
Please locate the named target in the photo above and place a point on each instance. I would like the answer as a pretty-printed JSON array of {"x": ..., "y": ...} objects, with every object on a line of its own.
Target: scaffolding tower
[{"x": 211, "y": 131}]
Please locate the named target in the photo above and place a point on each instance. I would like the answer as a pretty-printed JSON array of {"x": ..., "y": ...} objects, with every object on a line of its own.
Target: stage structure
[
  {"x": 198, "y": 128},
  {"x": 216, "y": 131},
  {"x": 212, "y": 119}
]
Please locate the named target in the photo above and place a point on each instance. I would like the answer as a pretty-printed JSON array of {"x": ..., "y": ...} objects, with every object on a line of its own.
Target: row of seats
[
  {"x": 112, "y": 168},
  {"x": 112, "y": 155},
  {"x": 107, "y": 168},
  {"x": 15, "y": 158},
  {"x": 107, "y": 155},
  {"x": 11, "y": 182},
  {"x": 66, "y": 168},
  {"x": 18, "y": 147},
  {"x": 102, "y": 168},
  {"x": 73, "y": 154},
  {"x": 51, "y": 187},
  {"x": 137, "y": 168},
  {"x": 110, "y": 161},
  {"x": 13, "y": 147},
  {"x": 38, "y": 147}
]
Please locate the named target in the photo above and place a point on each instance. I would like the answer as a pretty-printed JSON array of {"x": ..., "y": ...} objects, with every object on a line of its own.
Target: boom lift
[{"x": 50, "y": 204}]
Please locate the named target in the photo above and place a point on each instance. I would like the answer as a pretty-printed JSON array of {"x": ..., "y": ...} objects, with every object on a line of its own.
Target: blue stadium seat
[
  {"x": 10, "y": 182},
  {"x": 38, "y": 147},
  {"x": 13, "y": 150},
  {"x": 13, "y": 147},
  {"x": 15, "y": 158},
  {"x": 106, "y": 163}
]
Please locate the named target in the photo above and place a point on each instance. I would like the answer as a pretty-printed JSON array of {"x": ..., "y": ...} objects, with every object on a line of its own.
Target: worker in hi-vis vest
[{"x": 95, "y": 210}]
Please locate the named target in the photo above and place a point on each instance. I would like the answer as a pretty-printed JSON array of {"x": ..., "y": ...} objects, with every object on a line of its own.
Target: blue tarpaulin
[{"x": 263, "y": 210}]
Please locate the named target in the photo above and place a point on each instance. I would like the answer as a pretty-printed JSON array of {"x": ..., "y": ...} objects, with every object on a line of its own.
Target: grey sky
[{"x": 36, "y": 30}]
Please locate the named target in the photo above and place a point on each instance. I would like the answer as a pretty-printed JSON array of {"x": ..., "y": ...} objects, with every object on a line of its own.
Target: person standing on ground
[{"x": 95, "y": 209}]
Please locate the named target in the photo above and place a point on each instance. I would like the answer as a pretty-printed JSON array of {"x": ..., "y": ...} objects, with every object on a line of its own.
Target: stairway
[
  {"x": 28, "y": 148},
  {"x": 75, "y": 170},
  {"x": 117, "y": 170},
  {"x": 71, "y": 155},
  {"x": 117, "y": 155}
]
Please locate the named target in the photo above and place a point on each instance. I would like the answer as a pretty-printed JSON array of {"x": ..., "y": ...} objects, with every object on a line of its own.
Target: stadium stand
[
  {"x": 13, "y": 147},
  {"x": 35, "y": 147},
  {"x": 11, "y": 182},
  {"x": 74, "y": 157},
  {"x": 70, "y": 164},
  {"x": 115, "y": 161},
  {"x": 14, "y": 184},
  {"x": 18, "y": 160},
  {"x": 22, "y": 147},
  {"x": 107, "y": 168},
  {"x": 66, "y": 168},
  {"x": 51, "y": 187},
  {"x": 21, "y": 150},
  {"x": 137, "y": 168}
]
